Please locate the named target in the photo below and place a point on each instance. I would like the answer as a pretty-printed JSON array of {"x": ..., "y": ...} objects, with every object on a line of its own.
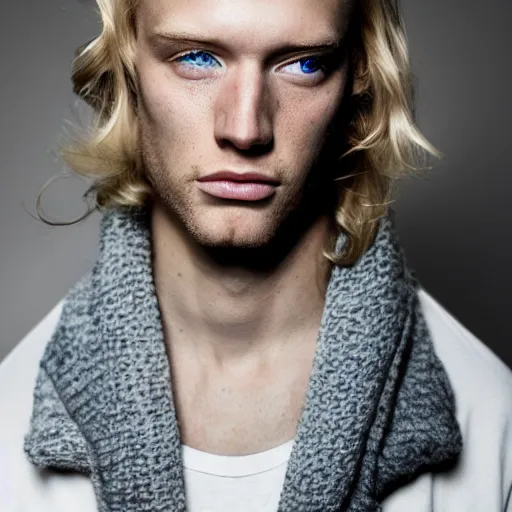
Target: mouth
[{"x": 241, "y": 187}]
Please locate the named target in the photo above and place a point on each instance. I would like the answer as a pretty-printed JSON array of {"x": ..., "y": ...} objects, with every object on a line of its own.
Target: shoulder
[
  {"x": 482, "y": 385},
  {"x": 479, "y": 377},
  {"x": 19, "y": 369},
  {"x": 23, "y": 487}
]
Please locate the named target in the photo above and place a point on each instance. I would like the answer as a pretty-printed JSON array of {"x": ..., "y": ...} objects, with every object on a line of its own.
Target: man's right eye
[{"x": 198, "y": 58}]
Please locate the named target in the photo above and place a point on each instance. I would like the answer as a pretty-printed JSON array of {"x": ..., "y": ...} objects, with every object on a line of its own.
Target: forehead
[{"x": 246, "y": 24}]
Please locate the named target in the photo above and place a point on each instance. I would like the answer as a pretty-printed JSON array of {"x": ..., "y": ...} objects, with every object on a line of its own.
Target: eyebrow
[{"x": 328, "y": 44}]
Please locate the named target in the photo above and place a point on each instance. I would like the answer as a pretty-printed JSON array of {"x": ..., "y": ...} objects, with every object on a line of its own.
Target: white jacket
[{"x": 482, "y": 383}]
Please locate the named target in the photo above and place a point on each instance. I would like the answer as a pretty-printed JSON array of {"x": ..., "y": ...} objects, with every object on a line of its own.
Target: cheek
[
  {"x": 304, "y": 129},
  {"x": 168, "y": 109}
]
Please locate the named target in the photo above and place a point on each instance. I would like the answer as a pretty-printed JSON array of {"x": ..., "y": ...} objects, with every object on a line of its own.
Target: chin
[
  {"x": 228, "y": 227},
  {"x": 240, "y": 226},
  {"x": 231, "y": 235}
]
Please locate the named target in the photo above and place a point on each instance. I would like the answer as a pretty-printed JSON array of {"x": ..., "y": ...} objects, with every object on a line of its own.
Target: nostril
[
  {"x": 261, "y": 149},
  {"x": 249, "y": 147}
]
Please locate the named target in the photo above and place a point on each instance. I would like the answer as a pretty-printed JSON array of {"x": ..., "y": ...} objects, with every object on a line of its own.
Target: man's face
[{"x": 241, "y": 86}]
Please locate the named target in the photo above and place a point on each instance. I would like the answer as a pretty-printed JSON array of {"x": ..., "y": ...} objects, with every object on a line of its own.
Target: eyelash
[{"x": 321, "y": 60}]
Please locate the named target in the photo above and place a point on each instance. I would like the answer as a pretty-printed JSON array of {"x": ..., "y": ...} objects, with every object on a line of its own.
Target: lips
[
  {"x": 242, "y": 187},
  {"x": 251, "y": 177}
]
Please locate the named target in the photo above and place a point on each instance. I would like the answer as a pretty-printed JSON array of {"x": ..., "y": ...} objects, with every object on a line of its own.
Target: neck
[{"x": 223, "y": 311}]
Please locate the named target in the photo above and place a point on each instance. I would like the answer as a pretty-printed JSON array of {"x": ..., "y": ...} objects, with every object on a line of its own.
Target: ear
[
  {"x": 360, "y": 82},
  {"x": 358, "y": 87},
  {"x": 360, "y": 77}
]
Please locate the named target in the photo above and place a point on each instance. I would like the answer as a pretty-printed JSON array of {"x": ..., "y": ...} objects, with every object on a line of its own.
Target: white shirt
[{"x": 248, "y": 483}]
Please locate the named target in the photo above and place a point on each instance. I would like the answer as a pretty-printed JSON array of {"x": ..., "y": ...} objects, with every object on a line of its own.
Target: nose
[{"x": 242, "y": 110}]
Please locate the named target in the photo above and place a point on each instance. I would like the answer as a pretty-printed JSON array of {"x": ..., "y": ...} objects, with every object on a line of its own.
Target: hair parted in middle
[{"x": 380, "y": 142}]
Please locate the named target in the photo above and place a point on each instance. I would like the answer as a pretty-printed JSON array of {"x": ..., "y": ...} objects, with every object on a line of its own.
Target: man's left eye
[{"x": 306, "y": 66}]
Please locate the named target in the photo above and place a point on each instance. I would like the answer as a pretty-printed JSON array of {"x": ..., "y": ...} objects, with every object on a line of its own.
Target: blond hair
[{"x": 382, "y": 142}]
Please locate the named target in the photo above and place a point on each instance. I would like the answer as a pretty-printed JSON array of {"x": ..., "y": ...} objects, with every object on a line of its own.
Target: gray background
[{"x": 454, "y": 226}]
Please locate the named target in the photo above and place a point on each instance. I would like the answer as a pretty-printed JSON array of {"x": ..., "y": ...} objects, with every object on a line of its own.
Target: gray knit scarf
[{"x": 379, "y": 409}]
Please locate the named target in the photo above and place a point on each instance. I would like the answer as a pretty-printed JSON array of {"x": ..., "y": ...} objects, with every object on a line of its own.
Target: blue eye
[
  {"x": 198, "y": 58},
  {"x": 307, "y": 66},
  {"x": 310, "y": 65}
]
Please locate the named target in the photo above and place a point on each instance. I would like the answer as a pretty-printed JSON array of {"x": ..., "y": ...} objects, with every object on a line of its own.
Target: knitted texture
[{"x": 379, "y": 409}]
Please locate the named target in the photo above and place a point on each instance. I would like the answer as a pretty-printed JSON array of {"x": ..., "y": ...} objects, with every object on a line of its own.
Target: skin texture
[{"x": 228, "y": 272}]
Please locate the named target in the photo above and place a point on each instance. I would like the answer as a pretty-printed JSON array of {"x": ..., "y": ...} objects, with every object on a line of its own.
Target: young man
[{"x": 250, "y": 337}]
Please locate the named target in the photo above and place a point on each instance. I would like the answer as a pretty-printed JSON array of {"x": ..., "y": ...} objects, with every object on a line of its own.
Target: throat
[{"x": 237, "y": 413}]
